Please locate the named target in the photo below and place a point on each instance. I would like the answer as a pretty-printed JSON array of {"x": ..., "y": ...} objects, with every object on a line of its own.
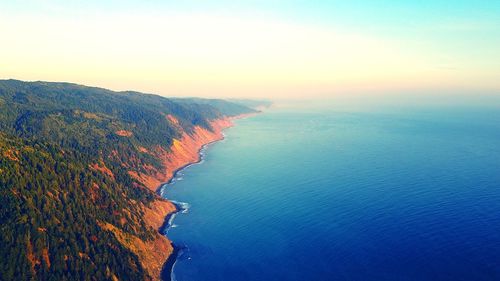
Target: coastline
[{"x": 167, "y": 269}]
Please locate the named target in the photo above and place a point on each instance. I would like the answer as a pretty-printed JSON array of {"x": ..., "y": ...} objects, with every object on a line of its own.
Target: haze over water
[{"x": 407, "y": 192}]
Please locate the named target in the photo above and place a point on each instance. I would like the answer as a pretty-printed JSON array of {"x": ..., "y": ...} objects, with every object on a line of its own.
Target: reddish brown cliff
[{"x": 182, "y": 152}]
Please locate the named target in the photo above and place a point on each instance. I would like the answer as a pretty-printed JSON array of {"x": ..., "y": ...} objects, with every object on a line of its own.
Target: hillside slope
[{"x": 79, "y": 167}]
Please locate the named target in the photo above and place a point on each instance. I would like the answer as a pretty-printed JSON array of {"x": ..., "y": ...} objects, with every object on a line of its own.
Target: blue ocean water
[{"x": 305, "y": 193}]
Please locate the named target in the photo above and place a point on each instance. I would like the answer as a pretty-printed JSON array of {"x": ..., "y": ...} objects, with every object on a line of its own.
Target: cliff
[{"x": 183, "y": 151}]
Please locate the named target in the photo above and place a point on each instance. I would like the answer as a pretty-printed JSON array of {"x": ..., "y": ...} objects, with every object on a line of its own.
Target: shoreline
[
  {"x": 180, "y": 169},
  {"x": 167, "y": 269}
]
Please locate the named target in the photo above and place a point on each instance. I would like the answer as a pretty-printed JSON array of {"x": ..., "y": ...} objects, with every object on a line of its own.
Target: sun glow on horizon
[{"x": 179, "y": 53}]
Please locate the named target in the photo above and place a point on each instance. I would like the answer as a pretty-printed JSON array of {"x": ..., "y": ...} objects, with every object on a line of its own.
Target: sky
[{"x": 255, "y": 49}]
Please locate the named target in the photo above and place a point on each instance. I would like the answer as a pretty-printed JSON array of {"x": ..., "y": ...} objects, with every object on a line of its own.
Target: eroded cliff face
[
  {"x": 153, "y": 254},
  {"x": 183, "y": 151}
]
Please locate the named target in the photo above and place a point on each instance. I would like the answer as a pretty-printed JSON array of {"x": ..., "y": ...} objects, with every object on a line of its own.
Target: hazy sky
[{"x": 255, "y": 48}]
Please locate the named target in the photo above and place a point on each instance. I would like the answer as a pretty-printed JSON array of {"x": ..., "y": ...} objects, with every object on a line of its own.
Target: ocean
[{"x": 316, "y": 192}]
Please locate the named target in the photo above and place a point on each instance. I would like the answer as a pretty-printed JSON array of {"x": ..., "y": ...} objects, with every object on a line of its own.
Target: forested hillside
[{"x": 71, "y": 198}]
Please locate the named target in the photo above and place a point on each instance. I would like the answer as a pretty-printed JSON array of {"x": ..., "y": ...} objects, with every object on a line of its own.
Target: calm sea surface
[{"x": 304, "y": 193}]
